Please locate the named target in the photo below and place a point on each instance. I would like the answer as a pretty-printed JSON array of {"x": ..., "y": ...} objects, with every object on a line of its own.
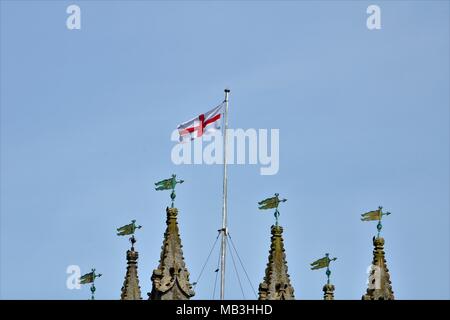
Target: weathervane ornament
[
  {"x": 375, "y": 215},
  {"x": 169, "y": 184},
  {"x": 129, "y": 229},
  {"x": 322, "y": 263},
  {"x": 271, "y": 203},
  {"x": 90, "y": 278}
]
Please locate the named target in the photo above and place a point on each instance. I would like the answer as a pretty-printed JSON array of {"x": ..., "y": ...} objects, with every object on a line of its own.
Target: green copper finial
[
  {"x": 90, "y": 278},
  {"x": 322, "y": 263},
  {"x": 271, "y": 203},
  {"x": 375, "y": 215},
  {"x": 168, "y": 184},
  {"x": 129, "y": 229}
]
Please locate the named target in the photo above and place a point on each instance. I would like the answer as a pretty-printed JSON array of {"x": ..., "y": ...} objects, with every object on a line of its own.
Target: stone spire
[
  {"x": 328, "y": 292},
  {"x": 276, "y": 284},
  {"x": 379, "y": 280},
  {"x": 170, "y": 281},
  {"x": 130, "y": 288}
]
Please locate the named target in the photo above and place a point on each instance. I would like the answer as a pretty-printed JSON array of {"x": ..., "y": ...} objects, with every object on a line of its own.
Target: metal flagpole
[{"x": 224, "y": 229}]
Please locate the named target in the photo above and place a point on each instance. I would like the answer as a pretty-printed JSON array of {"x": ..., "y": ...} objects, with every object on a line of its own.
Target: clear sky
[{"x": 86, "y": 118}]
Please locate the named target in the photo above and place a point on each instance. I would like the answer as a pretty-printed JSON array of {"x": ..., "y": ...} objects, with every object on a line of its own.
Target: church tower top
[
  {"x": 276, "y": 284},
  {"x": 170, "y": 281}
]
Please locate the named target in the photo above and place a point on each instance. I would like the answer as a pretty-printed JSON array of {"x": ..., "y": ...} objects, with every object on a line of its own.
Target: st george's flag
[{"x": 205, "y": 123}]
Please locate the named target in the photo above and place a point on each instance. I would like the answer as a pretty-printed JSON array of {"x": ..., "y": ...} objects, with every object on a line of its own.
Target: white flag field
[{"x": 205, "y": 123}]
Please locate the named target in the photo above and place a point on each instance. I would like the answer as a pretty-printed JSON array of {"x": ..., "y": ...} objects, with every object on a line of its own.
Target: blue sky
[{"x": 86, "y": 118}]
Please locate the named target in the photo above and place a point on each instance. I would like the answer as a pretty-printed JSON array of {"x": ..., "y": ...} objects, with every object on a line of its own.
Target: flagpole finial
[{"x": 227, "y": 91}]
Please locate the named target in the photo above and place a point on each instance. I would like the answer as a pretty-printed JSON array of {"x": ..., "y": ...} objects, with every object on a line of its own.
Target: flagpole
[{"x": 224, "y": 229}]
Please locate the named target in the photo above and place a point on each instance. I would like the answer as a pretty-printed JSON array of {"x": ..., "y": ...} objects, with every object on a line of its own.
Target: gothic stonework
[
  {"x": 170, "y": 281},
  {"x": 130, "y": 288},
  {"x": 328, "y": 292},
  {"x": 276, "y": 284},
  {"x": 379, "y": 280}
]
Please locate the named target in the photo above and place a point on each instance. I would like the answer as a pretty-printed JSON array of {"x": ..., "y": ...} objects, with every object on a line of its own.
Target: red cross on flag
[{"x": 203, "y": 124}]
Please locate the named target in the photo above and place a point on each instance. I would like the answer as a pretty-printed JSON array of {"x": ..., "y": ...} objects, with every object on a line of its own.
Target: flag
[
  {"x": 203, "y": 124},
  {"x": 320, "y": 263},
  {"x": 128, "y": 229},
  {"x": 371, "y": 215},
  {"x": 270, "y": 203},
  {"x": 165, "y": 184},
  {"x": 87, "y": 278}
]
